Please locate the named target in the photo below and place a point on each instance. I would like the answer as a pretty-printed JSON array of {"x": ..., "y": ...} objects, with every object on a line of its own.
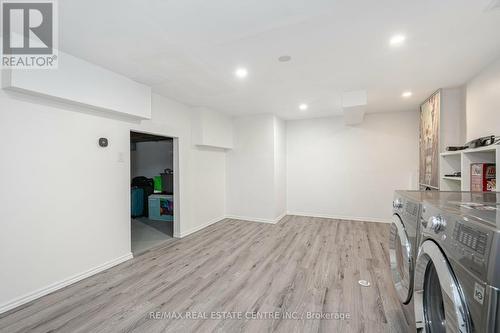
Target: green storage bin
[{"x": 158, "y": 184}]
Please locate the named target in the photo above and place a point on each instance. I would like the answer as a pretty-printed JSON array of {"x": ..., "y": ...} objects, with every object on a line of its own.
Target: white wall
[
  {"x": 280, "y": 166},
  {"x": 151, "y": 158},
  {"x": 66, "y": 201},
  {"x": 200, "y": 205},
  {"x": 252, "y": 173},
  {"x": 348, "y": 172},
  {"x": 250, "y": 169},
  {"x": 200, "y": 168},
  {"x": 452, "y": 118},
  {"x": 209, "y": 187},
  {"x": 483, "y": 103},
  {"x": 212, "y": 129}
]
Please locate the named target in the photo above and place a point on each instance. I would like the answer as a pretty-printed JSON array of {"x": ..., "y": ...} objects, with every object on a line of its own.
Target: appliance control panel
[
  {"x": 403, "y": 206},
  {"x": 470, "y": 248},
  {"x": 408, "y": 210},
  {"x": 412, "y": 208},
  {"x": 464, "y": 240},
  {"x": 471, "y": 238}
]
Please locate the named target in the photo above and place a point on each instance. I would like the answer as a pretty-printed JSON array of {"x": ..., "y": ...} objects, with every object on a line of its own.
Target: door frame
[{"x": 176, "y": 153}]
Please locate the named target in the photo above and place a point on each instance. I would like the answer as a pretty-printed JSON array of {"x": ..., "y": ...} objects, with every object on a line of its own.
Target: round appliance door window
[
  {"x": 439, "y": 303},
  {"x": 400, "y": 259}
]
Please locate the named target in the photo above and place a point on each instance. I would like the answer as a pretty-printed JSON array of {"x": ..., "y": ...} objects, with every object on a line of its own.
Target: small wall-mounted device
[{"x": 103, "y": 142}]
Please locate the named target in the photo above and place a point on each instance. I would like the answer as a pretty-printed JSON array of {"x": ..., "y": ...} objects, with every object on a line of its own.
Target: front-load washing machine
[{"x": 457, "y": 271}]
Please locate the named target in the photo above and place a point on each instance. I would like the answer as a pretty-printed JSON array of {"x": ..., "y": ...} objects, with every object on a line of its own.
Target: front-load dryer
[{"x": 403, "y": 243}]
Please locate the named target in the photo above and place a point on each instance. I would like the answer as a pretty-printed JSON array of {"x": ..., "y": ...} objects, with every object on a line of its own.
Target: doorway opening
[{"x": 152, "y": 190}]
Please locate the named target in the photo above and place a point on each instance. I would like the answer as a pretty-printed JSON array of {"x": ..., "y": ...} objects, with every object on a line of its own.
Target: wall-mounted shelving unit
[{"x": 460, "y": 161}]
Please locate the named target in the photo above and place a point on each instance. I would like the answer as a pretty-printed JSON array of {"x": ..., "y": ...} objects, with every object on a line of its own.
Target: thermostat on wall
[{"x": 103, "y": 142}]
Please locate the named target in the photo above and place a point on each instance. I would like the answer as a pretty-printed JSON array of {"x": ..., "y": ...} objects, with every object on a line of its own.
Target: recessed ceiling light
[
  {"x": 303, "y": 107},
  {"x": 397, "y": 40},
  {"x": 407, "y": 94},
  {"x": 241, "y": 73},
  {"x": 284, "y": 58}
]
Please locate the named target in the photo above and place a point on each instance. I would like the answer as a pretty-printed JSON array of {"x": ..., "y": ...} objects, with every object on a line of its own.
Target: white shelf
[
  {"x": 452, "y": 153},
  {"x": 492, "y": 149},
  {"x": 458, "y": 179},
  {"x": 460, "y": 161}
]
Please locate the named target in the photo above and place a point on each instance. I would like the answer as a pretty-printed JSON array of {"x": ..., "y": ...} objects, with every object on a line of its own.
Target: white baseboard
[
  {"x": 281, "y": 217},
  {"x": 61, "y": 284},
  {"x": 339, "y": 217},
  {"x": 244, "y": 218},
  {"x": 256, "y": 219},
  {"x": 197, "y": 228}
]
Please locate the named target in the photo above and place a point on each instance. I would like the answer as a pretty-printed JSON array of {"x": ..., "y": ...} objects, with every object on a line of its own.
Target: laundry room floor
[{"x": 293, "y": 272}]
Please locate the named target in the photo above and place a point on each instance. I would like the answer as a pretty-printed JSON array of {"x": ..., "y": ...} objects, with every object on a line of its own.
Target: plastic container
[
  {"x": 168, "y": 181},
  {"x": 137, "y": 201},
  {"x": 158, "y": 184},
  {"x": 161, "y": 207}
]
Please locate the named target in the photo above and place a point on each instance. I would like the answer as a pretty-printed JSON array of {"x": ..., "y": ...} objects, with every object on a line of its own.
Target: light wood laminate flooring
[{"x": 272, "y": 276}]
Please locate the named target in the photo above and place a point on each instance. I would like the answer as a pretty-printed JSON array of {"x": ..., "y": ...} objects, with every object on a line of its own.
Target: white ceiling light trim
[
  {"x": 407, "y": 94},
  {"x": 397, "y": 40},
  {"x": 241, "y": 72}
]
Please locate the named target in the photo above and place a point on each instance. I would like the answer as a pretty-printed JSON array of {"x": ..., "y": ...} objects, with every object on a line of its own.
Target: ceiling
[{"x": 188, "y": 50}]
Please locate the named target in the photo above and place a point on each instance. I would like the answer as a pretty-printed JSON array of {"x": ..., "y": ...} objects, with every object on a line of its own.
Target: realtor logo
[{"x": 29, "y": 34}]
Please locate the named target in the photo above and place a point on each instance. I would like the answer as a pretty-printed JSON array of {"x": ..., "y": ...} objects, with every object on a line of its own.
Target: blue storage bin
[
  {"x": 137, "y": 201},
  {"x": 161, "y": 207}
]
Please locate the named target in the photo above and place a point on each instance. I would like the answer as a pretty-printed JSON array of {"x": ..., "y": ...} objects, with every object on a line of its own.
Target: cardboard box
[{"x": 483, "y": 177}]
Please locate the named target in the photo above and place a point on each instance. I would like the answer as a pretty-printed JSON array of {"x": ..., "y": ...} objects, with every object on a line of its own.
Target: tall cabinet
[{"x": 442, "y": 124}]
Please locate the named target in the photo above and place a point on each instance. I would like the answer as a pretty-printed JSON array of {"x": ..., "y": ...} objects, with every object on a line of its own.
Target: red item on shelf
[{"x": 483, "y": 177}]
